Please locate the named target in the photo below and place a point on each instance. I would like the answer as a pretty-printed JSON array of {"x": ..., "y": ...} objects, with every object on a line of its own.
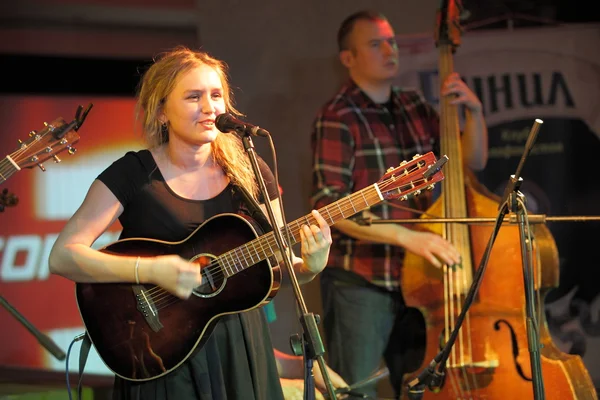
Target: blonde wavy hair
[{"x": 160, "y": 80}]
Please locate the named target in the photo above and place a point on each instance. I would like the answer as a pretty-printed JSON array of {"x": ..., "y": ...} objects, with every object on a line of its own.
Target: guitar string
[
  {"x": 269, "y": 239},
  {"x": 157, "y": 293},
  {"x": 7, "y": 168},
  {"x": 22, "y": 149},
  {"x": 216, "y": 266},
  {"x": 165, "y": 298},
  {"x": 266, "y": 244}
]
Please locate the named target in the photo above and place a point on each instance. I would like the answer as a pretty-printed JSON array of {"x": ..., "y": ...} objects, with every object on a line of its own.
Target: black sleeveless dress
[{"x": 237, "y": 361}]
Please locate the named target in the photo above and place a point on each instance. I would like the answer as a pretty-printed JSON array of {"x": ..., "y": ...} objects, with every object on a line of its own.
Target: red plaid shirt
[{"x": 354, "y": 141}]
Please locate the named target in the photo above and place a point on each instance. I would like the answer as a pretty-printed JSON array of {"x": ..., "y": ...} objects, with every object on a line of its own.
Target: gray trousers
[{"x": 365, "y": 325}]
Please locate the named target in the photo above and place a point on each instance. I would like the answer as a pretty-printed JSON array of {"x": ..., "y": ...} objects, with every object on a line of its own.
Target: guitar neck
[
  {"x": 262, "y": 248},
  {"x": 7, "y": 168}
]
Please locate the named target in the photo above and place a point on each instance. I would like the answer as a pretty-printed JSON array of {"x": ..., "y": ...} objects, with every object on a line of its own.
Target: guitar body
[{"x": 142, "y": 332}]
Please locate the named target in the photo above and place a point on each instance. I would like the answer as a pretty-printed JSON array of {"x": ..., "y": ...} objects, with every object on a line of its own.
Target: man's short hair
[{"x": 348, "y": 24}]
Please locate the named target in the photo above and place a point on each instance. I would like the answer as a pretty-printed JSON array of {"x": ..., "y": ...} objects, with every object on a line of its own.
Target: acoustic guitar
[{"x": 143, "y": 332}]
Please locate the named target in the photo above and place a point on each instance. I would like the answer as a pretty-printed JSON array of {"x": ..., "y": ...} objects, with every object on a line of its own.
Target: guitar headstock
[
  {"x": 410, "y": 178},
  {"x": 54, "y": 138},
  {"x": 7, "y": 199}
]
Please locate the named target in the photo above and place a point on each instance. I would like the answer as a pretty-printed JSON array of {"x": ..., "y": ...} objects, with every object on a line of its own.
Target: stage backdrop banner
[
  {"x": 46, "y": 201},
  {"x": 552, "y": 74}
]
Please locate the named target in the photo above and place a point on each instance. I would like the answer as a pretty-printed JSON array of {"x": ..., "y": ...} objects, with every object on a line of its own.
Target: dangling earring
[{"x": 164, "y": 131}]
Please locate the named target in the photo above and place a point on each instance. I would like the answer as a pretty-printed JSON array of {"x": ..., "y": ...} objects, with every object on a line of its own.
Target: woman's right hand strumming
[{"x": 172, "y": 273}]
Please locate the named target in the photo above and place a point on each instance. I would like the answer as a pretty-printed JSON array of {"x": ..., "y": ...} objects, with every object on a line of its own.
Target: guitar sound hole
[{"x": 213, "y": 278}]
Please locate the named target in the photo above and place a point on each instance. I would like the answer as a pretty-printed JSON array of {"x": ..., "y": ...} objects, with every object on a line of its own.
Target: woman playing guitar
[{"x": 190, "y": 173}]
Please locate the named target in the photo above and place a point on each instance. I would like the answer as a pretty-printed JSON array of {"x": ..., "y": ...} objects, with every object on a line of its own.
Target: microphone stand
[
  {"x": 44, "y": 340},
  {"x": 512, "y": 201},
  {"x": 312, "y": 344}
]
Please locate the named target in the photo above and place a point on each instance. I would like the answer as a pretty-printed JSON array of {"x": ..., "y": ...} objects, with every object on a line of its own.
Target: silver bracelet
[{"x": 137, "y": 276}]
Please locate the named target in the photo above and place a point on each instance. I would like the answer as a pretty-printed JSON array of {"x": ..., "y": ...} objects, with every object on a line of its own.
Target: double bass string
[
  {"x": 456, "y": 278},
  {"x": 238, "y": 259}
]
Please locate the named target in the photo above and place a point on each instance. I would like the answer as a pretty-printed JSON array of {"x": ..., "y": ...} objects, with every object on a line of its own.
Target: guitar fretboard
[
  {"x": 263, "y": 247},
  {"x": 7, "y": 168}
]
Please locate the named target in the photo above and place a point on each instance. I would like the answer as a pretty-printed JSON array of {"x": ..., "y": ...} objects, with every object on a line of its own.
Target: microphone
[{"x": 226, "y": 123}]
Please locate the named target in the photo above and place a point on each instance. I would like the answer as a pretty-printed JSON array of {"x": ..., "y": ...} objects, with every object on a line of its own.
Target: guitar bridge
[{"x": 146, "y": 306}]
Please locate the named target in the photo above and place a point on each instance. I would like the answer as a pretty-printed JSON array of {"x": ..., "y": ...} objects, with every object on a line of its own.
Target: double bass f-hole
[{"x": 515, "y": 347}]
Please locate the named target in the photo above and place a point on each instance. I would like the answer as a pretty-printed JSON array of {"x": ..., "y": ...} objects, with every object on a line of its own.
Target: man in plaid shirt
[{"x": 367, "y": 127}]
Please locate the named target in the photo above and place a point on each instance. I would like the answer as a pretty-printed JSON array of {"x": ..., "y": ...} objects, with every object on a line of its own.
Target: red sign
[{"x": 46, "y": 201}]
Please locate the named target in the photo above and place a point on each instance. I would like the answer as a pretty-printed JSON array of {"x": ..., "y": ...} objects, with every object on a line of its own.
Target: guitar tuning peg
[
  {"x": 71, "y": 150},
  {"x": 42, "y": 167},
  {"x": 430, "y": 187},
  {"x": 390, "y": 169},
  {"x": 56, "y": 159},
  {"x": 416, "y": 156},
  {"x": 32, "y": 133}
]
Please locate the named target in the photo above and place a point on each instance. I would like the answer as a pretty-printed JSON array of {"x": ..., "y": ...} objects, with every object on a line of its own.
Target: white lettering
[
  {"x": 62, "y": 197},
  {"x": 36, "y": 251},
  {"x": 31, "y": 245},
  {"x": 44, "y": 269}
]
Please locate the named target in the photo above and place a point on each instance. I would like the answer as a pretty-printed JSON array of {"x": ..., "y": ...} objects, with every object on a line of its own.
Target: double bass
[{"x": 490, "y": 358}]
